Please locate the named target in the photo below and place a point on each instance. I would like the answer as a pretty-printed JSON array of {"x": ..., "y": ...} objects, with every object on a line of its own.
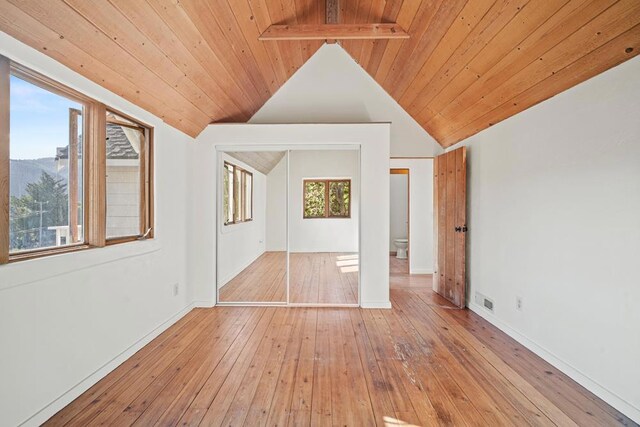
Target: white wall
[
  {"x": 554, "y": 197},
  {"x": 243, "y": 243},
  {"x": 420, "y": 213},
  {"x": 67, "y": 320},
  {"x": 276, "y": 226},
  {"x": 373, "y": 140},
  {"x": 399, "y": 210},
  {"x": 319, "y": 234},
  {"x": 332, "y": 88}
]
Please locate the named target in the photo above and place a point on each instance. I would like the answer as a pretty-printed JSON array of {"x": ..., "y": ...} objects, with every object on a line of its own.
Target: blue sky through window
[{"x": 39, "y": 121}]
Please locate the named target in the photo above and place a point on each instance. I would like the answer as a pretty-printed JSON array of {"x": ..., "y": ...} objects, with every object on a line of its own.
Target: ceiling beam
[
  {"x": 334, "y": 31},
  {"x": 332, "y": 14}
]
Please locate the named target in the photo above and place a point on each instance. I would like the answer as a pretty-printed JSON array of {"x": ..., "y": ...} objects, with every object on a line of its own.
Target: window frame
[
  {"x": 93, "y": 167},
  {"x": 145, "y": 214},
  {"x": 327, "y": 184},
  {"x": 238, "y": 187}
]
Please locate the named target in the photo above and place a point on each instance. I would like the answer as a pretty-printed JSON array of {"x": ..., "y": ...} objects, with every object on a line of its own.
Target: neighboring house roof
[{"x": 118, "y": 145}]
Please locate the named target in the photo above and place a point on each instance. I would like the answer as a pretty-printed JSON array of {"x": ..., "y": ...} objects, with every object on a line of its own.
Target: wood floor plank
[
  {"x": 278, "y": 412},
  {"x": 385, "y": 355},
  {"x": 301, "y": 398},
  {"x": 321, "y": 409},
  {"x": 515, "y": 408},
  {"x": 233, "y": 380},
  {"x": 435, "y": 397},
  {"x": 159, "y": 402},
  {"x": 267, "y": 359},
  {"x": 421, "y": 363},
  {"x": 377, "y": 388},
  {"x": 235, "y": 359}
]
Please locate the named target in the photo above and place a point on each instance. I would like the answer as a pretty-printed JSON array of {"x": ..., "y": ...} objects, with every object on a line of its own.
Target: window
[
  {"x": 237, "y": 194},
  {"x": 127, "y": 177},
  {"x": 45, "y": 196},
  {"x": 327, "y": 198},
  {"x": 66, "y": 188}
]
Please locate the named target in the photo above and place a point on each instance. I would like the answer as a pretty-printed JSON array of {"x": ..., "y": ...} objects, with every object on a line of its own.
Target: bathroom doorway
[{"x": 399, "y": 221}]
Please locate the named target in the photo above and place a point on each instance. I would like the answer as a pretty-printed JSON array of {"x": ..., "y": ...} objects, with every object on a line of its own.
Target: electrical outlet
[
  {"x": 519, "y": 303},
  {"x": 176, "y": 289}
]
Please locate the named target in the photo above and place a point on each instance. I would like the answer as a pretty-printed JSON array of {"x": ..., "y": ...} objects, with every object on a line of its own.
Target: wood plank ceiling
[{"x": 468, "y": 63}]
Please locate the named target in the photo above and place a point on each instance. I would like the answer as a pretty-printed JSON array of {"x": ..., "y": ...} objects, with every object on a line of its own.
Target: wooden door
[{"x": 450, "y": 225}]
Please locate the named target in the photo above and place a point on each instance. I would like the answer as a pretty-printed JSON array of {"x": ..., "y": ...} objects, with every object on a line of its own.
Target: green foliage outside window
[
  {"x": 45, "y": 204},
  {"x": 327, "y": 199},
  {"x": 314, "y": 199},
  {"x": 339, "y": 198}
]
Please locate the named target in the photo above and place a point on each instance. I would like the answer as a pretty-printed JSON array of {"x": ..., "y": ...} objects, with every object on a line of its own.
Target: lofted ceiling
[{"x": 467, "y": 65}]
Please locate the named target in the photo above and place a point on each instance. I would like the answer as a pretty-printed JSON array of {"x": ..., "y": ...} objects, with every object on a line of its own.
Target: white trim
[
  {"x": 51, "y": 409},
  {"x": 421, "y": 271},
  {"x": 204, "y": 304},
  {"x": 609, "y": 397},
  {"x": 322, "y": 305},
  {"x": 376, "y": 304},
  {"x": 252, "y": 304}
]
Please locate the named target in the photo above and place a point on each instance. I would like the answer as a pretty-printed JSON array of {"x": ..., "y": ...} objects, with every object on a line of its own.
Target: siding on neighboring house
[{"x": 123, "y": 198}]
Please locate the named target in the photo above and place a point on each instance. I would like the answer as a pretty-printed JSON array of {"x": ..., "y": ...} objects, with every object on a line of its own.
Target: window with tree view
[
  {"x": 237, "y": 202},
  {"x": 46, "y": 168},
  {"x": 327, "y": 198},
  {"x": 73, "y": 173}
]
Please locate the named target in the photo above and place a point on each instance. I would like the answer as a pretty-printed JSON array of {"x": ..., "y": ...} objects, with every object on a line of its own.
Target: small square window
[{"x": 327, "y": 198}]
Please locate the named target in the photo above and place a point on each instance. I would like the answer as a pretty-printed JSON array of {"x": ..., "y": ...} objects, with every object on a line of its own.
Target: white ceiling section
[{"x": 262, "y": 161}]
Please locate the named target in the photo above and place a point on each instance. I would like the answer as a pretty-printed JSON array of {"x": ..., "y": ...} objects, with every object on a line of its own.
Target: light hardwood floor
[
  {"x": 323, "y": 278},
  {"x": 264, "y": 280},
  {"x": 423, "y": 363},
  {"x": 316, "y": 278}
]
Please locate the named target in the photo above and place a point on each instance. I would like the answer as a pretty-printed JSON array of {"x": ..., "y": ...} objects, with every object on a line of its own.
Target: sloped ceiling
[
  {"x": 262, "y": 161},
  {"x": 467, "y": 65}
]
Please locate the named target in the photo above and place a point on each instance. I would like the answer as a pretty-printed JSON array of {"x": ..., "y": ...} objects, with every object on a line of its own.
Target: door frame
[{"x": 406, "y": 171}]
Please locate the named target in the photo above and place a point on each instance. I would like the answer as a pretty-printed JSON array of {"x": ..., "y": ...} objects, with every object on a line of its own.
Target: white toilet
[{"x": 401, "y": 246}]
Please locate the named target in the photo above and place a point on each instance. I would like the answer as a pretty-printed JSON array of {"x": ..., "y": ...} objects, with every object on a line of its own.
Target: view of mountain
[{"x": 25, "y": 171}]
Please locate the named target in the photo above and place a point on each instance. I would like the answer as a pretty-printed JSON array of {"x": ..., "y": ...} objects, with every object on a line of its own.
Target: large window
[
  {"x": 72, "y": 174},
  {"x": 237, "y": 195},
  {"x": 45, "y": 152},
  {"x": 327, "y": 198}
]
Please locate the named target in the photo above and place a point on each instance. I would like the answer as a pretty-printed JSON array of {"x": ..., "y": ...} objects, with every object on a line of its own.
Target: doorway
[{"x": 399, "y": 225}]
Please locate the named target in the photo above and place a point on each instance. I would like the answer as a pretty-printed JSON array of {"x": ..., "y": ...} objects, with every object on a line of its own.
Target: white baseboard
[
  {"x": 611, "y": 398},
  {"x": 376, "y": 304},
  {"x": 421, "y": 271},
  {"x": 51, "y": 409},
  {"x": 204, "y": 303}
]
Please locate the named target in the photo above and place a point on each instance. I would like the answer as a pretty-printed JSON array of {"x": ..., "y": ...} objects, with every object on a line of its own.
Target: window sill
[
  {"x": 236, "y": 226},
  {"x": 23, "y": 256},
  {"x": 35, "y": 269}
]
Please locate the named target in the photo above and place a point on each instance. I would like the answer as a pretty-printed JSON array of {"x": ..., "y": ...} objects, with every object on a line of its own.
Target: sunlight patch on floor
[{"x": 390, "y": 421}]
